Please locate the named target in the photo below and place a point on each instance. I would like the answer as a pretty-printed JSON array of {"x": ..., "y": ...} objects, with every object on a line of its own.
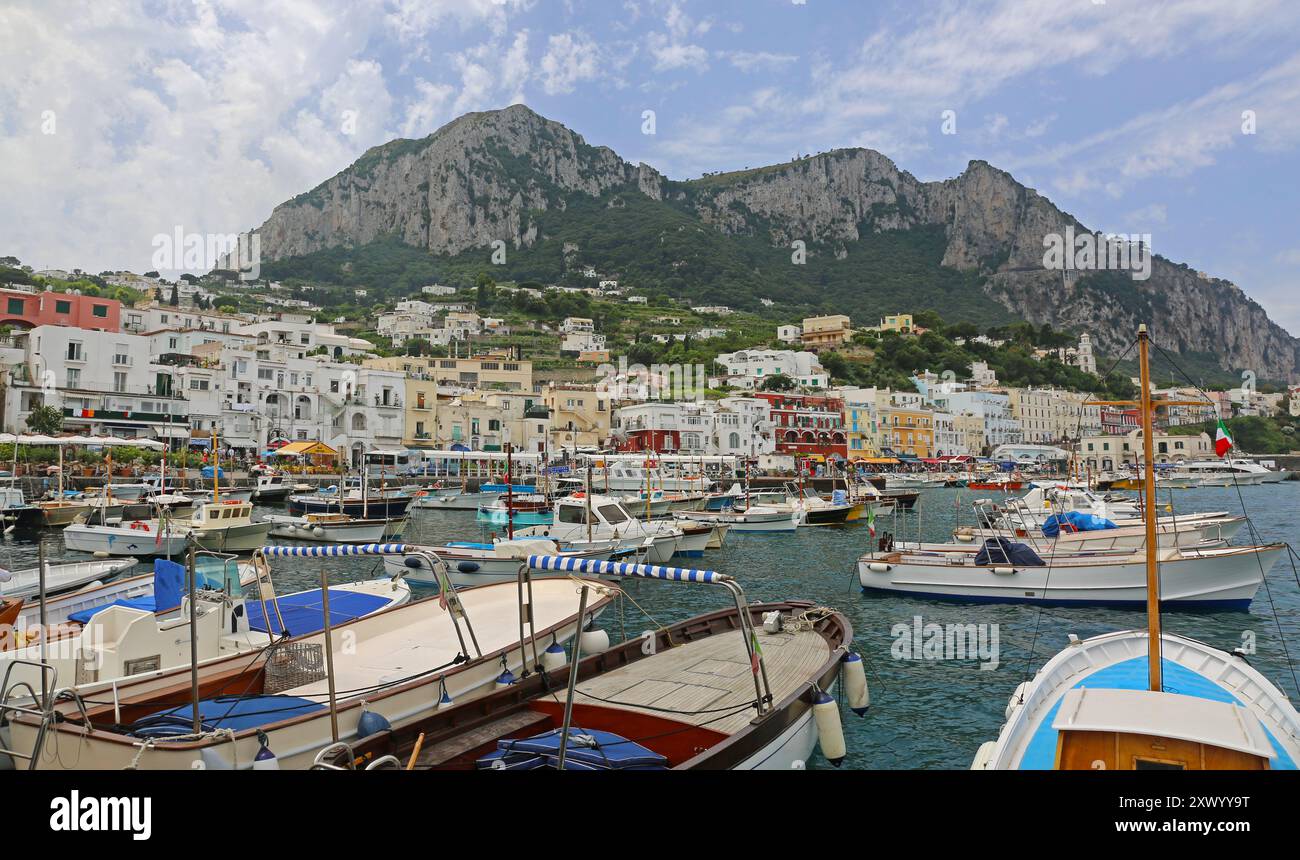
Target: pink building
[{"x": 28, "y": 310}]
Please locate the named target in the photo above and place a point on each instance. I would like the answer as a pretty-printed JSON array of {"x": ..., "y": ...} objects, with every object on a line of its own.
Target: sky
[{"x": 121, "y": 120}]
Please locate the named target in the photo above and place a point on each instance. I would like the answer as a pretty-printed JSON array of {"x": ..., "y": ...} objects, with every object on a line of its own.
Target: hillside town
[{"x": 177, "y": 370}]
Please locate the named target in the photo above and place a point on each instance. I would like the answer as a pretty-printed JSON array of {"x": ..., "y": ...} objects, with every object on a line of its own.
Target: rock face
[{"x": 478, "y": 180}]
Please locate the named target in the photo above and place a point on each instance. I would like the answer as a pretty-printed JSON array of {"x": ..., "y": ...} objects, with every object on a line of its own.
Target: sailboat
[{"x": 1146, "y": 699}]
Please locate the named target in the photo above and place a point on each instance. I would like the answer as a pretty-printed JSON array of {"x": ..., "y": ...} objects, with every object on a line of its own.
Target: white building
[
  {"x": 749, "y": 368},
  {"x": 789, "y": 333}
]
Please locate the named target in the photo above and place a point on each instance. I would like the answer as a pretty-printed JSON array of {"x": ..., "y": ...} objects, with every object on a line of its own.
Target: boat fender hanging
[
  {"x": 879, "y": 567},
  {"x": 594, "y": 641},
  {"x": 830, "y": 734},
  {"x": 505, "y": 679},
  {"x": 554, "y": 656},
  {"x": 210, "y": 759},
  {"x": 414, "y": 562},
  {"x": 444, "y": 697},
  {"x": 318, "y": 531},
  {"x": 265, "y": 759},
  {"x": 1004, "y": 571},
  {"x": 371, "y": 723},
  {"x": 855, "y": 683},
  {"x": 467, "y": 566}
]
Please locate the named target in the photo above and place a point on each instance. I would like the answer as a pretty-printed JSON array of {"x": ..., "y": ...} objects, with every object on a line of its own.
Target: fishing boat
[
  {"x": 150, "y": 485},
  {"x": 743, "y": 688},
  {"x": 287, "y": 701},
  {"x": 1146, "y": 699},
  {"x": 329, "y": 528},
  {"x": 61, "y": 577},
  {"x": 142, "y": 636},
  {"x": 653, "y": 505},
  {"x": 355, "y": 503},
  {"x": 62, "y": 512},
  {"x": 477, "y": 563},
  {"x": 227, "y": 526},
  {"x": 461, "y": 499},
  {"x": 270, "y": 487},
  {"x": 163, "y": 535},
  {"x": 592, "y": 517},
  {"x": 15, "y": 512},
  {"x": 1003, "y": 571},
  {"x": 525, "y": 510},
  {"x": 998, "y": 484}
]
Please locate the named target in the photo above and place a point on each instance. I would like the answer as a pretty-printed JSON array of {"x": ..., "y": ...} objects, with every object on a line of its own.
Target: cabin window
[
  {"x": 1156, "y": 764},
  {"x": 612, "y": 514},
  {"x": 573, "y": 514}
]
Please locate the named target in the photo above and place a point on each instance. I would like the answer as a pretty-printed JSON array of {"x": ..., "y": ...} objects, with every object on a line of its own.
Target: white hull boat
[
  {"x": 471, "y": 564},
  {"x": 62, "y": 577},
  {"x": 453, "y": 500},
  {"x": 329, "y": 528},
  {"x": 397, "y": 664},
  {"x": 137, "y": 538},
  {"x": 756, "y": 519},
  {"x": 1219, "y": 578}
]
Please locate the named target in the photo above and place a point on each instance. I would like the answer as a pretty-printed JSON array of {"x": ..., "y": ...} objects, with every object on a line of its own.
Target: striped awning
[
  {"x": 339, "y": 549},
  {"x": 618, "y": 568}
]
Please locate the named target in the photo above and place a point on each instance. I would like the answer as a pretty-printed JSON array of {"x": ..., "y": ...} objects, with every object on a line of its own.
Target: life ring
[
  {"x": 139, "y": 526},
  {"x": 579, "y": 496}
]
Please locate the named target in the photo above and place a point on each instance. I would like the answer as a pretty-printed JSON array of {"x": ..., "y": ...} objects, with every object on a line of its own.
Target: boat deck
[{"x": 710, "y": 676}]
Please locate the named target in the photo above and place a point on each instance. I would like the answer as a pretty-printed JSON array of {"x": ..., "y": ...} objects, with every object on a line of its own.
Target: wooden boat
[
  {"x": 456, "y": 499},
  {"x": 61, "y": 577},
  {"x": 227, "y": 526},
  {"x": 756, "y": 519},
  {"x": 62, "y": 512},
  {"x": 1145, "y": 699},
  {"x": 530, "y": 510},
  {"x": 718, "y": 691},
  {"x": 329, "y": 528},
  {"x": 395, "y": 663}
]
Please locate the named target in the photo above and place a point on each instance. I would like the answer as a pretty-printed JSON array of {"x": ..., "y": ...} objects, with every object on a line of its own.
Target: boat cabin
[
  {"x": 222, "y": 514},
  {"x": 1107, "y": 729}
]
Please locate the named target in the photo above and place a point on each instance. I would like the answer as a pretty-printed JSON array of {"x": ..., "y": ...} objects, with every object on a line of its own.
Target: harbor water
[{"x": 929, "y": 709}]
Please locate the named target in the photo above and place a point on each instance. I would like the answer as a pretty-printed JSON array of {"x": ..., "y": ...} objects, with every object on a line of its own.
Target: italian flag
[{"x": 1222, "y": 441}]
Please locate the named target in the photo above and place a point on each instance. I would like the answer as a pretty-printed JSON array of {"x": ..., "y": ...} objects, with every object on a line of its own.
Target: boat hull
[
  {"x": 124, "y": 540},
  {"x": 1208, "y": 579},
  {"x": 242, "y": 538}
]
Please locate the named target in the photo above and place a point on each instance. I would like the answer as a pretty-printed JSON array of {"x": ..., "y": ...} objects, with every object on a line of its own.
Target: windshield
[{"x": 613, "y": 514}]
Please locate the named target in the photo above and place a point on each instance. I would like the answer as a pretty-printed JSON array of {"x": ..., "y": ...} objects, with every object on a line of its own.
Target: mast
[
  {"x": 216, "y": 468},
  {"x": 510, "y": 494},
  {"x": 1149, "y": 496}
]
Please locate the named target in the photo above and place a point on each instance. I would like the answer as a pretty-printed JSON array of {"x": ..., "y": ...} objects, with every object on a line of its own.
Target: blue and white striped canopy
[
  {"x": 338, "y": 549},
  {"x": 618, "y": 568}
]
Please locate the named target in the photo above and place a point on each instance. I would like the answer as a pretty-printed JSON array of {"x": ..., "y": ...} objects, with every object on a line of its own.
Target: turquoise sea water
[{"x": 924, "y": 713}]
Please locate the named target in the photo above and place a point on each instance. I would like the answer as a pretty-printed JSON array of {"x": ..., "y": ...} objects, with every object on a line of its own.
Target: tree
[
  {"x": 175, "y": 300},
  {"x": 779, "y": 382},
  {"x": 46, "y": 420}
]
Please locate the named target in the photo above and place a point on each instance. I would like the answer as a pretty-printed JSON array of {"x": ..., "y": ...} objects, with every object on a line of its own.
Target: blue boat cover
[
  {"x": 587, "y": 750},
  {"x": 224, "y": 712},
  {"x": 206, "y": 472},
  {"x": 304, "y": 613},
  {"x": 169, "y": 583},
  {"x": 1075, "y": 521},
  {"x": 1000, "y": 550}
]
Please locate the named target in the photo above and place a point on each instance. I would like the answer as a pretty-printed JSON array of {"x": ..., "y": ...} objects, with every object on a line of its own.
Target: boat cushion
[
  {"x": 304, "y": 613},
  {"x": 235, "y": 713},
  {"x": 1000, "y": 550},
  {"x": 588, "y": 749}
]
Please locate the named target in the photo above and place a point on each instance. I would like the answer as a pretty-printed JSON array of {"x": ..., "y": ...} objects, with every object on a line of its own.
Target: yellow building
[
  {"x": 862, "y": 430},
  {"x": 497, "y": 370},
  {"x": 487, "y": 420},
  {"x": 826, "y": 332},
  {"x": 901, "y": 323},
  {"x": 907, "y": 431},
  {"x": 580, "y": 416}
]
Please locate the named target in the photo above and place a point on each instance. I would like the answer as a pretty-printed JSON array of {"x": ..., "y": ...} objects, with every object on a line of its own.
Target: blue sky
[{"x": 123, "y": 119}]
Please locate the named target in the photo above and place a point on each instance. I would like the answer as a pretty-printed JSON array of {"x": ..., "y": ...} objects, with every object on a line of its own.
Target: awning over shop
[
  {"x": 169, "y": 431},
  {"x": 236, "y": 442},
  {"x": 878, "y": 461},
  {"x": 306, "y": 449}
]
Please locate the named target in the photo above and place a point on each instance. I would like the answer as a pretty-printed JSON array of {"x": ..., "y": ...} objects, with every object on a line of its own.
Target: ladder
[{"x": 42, "y": 707}]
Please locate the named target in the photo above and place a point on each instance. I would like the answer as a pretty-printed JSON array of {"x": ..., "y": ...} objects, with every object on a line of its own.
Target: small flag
[
  {"x": 871, "y": 519},
  {"x": 442, "y": 598},
  {"x": 755, "y": 652},
  {"x": 1222, "y": 441}
]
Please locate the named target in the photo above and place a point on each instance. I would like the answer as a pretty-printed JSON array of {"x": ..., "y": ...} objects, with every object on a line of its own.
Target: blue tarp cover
[
  {"x": 224, "y": 712},
  {"x": 587, "y": 750},
  {"x": 1075, "y": 521},
  {"x": 304, "y": 613},
  {"x": 169, "y": 583},
  {"x": 1000, "y": 550}
]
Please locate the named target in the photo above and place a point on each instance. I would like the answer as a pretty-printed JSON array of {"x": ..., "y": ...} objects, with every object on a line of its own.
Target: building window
[
  {"x": 61, "y": 307},
  {"x": 119, "y": 381},
  {"x": 15, "y": 306},
  {"x": 99, "y": 310},
  {"x": 74, "y": 350},
  {"x": 74, "y": 377}
]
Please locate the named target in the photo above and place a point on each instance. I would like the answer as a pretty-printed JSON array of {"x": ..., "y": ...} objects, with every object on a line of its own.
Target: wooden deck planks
[{"x": 710, "y": 674}]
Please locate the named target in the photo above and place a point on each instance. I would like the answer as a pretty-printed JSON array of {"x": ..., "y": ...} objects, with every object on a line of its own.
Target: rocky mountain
[{"x": 516, "y": 177}]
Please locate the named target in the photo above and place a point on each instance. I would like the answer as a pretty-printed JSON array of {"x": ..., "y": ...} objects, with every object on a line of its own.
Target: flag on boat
[
  {"x": 1222, "y": 441},
  {"x": 871, "y": 519}
]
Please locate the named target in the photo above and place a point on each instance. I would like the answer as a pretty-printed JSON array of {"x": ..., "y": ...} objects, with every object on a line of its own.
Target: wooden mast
[{"x": 1149, "y": 497}]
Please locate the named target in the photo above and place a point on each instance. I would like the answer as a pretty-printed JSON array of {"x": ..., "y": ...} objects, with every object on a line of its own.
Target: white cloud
[
  {"x": 570, "y": 58},
  {"x": 749, "y": 61}
]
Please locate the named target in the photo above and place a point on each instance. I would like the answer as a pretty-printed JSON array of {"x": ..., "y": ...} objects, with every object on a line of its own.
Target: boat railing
[
  {"x": 41, "y": 707},
  {"x": 762, "y": 688}
]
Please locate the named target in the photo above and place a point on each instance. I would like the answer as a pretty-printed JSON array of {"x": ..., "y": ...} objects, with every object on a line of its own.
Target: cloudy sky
[{"x": 123, "y": 119}]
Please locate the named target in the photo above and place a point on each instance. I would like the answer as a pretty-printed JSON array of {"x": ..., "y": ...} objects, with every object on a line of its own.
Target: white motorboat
[
  {"x": 227, "y": 526},
  {"x": 1003, "y": 571},
  {"x": 133, "y": 637},
  {"x": 400, "y": 664},
  {"x": 590, "y": 517},
  {"x": 753, "y": 519},
  {"x": 61, "y": 577},
  {"x": 330, "y": 528},
  {"x": 270, "y": 487}
]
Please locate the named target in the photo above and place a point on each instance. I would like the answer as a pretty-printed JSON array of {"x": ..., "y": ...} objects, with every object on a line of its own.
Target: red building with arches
[
  {"x": 808, "y": 425},
  {"x": 28, "y": 310}
]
